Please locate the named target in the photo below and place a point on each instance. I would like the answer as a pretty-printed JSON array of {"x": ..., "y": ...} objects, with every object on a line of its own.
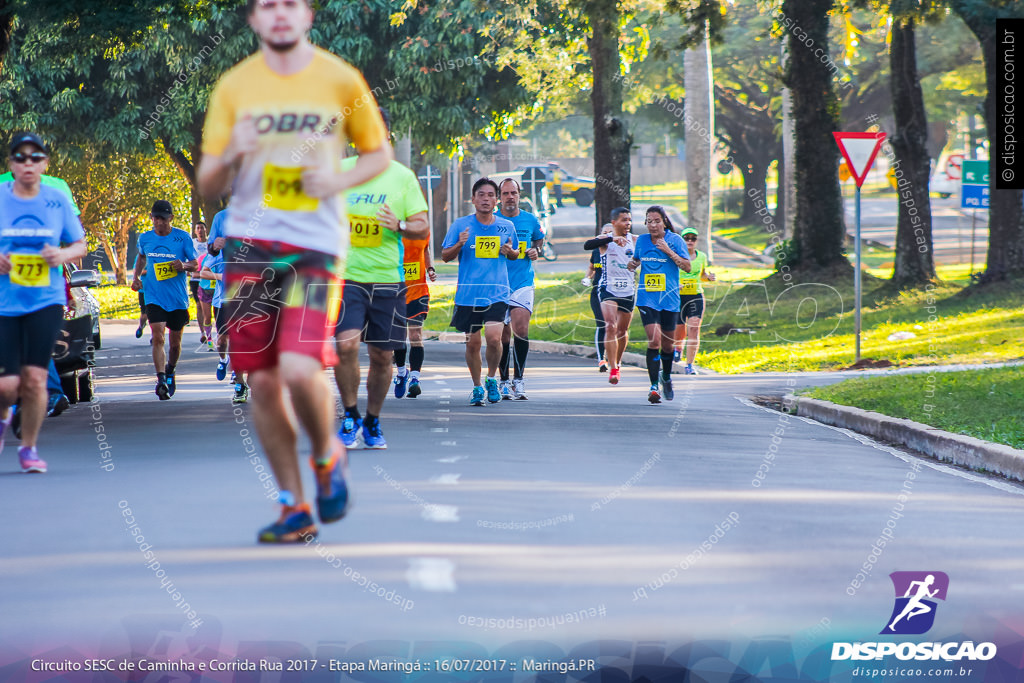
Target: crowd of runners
[{"x": 285, "y": 285}]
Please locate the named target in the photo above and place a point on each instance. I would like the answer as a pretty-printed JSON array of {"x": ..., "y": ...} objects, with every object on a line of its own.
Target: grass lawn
[{"x": 986, "y": 404}]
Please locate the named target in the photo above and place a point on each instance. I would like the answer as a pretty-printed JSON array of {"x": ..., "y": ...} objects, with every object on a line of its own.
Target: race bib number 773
[{"x": 29, "y": 270}]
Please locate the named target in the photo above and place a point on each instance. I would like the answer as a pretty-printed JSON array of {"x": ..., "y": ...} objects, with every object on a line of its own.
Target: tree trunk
[
  {"x": 915, "y": 264},
  {"x": 819, "y": 231},
  {"x": 785, "y": 201},
  {"x": 612, "y": 140},
  {"x": 700, "y": 117},
  {"x": 1006, "y": 218}
]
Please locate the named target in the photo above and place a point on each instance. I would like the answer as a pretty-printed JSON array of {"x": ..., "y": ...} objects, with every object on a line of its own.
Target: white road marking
[{"x": 434, "y": 574}]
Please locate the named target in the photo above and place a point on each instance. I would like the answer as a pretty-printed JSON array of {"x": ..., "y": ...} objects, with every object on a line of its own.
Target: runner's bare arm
[
  {"x": 452, "y": 252},
  {"x": 216, "y": 173},
  {"x": 71, "y": 252},
  {"x": 417, "y": 227}
]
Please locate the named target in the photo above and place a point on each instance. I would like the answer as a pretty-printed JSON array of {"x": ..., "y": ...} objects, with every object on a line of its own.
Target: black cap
[
  {"x": 162, "y": 207},
  {"x": 26, "y": 137}
]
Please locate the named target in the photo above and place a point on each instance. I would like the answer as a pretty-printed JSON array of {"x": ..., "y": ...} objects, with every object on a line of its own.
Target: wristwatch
[{"x": 401, "y": 226}]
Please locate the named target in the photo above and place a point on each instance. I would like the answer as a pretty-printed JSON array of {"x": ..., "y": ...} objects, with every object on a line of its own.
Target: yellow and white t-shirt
[{"x": 304, "y": 119}]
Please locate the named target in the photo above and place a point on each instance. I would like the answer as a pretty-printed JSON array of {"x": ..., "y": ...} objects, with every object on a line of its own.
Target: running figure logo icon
[{"x": 914, "y": 611}]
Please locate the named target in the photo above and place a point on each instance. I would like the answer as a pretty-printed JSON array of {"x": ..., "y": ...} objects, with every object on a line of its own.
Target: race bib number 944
[
  {"x": 487, "y": 246},
  {"x": 29, "y": 270},
  {"x": 654, "y": 282},
  {"x": 412, "y": 271},
  {"x": 283, "y": 184}
]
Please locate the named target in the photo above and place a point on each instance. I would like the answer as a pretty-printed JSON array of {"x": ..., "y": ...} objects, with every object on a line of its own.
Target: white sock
[
  {"x": 402, "y": 372},
  {"x": 415, "y": 374}
]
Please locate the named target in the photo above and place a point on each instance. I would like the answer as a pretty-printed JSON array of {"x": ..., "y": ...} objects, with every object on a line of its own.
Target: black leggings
[{"x": 595, "y": 307}]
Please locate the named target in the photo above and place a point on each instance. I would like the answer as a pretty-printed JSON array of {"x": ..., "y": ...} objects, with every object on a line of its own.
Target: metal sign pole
[{"x": 856, "y": 283}]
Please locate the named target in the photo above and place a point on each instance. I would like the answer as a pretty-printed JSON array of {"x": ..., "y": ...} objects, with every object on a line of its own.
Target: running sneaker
[
  {"x": 349, "y": 432},
  {"x": 613, "y": 376},
  {"x": 294, "y": 526},
  {"x": 414, "y": 388},
  {"x": 666, "y": 389},
  {"x": 57, "y": 404},
  {"x": 163, "y": 391},
  {"x": 138, "y": 333},
  {"x": 3, "y": 432},
  {"x": 202, "y": 339},
  {"x": 331, "y": 490},
  {"x": 519, "y": 389},
  {"x": 30, "y": 460},
  {"x": 373, "y": 437},
  {"x": 234, "y": 377},
  {"x": 602, "y": 365},
  {"x": 689, "y": 370},
  {"x": 400, "y": 382},
  {"x": 676, "y": 355},
  {"x": 222, "y": 369},
  {"x": 654, "y": 396},
  {"x": 477, "y": 397},
  {"x": 210, "y": 346},
  {"x": 171, "y": 384},
  {"x": 241, "y": 393},
  {"x": 505, "y": 387},
  {"x": 493, "y": 395}
]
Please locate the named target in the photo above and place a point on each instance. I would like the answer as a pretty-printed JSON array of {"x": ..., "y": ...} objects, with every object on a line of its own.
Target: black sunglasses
[
  {"x": 21, "y": 157},
  {"x": 690, "y": 238}
]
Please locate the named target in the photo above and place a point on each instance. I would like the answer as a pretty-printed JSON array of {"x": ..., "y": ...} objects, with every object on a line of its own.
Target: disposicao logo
[
  {"x": 913, "y": 614},
  {"x": 916, "y": 595}
]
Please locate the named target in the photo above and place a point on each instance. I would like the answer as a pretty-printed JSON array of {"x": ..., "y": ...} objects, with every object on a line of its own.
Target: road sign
[
  {"x": 859, "y": 150},
  {"x": 724, "y": 167},
  {"x": 429, "y": 175},
  {"x": 974, "y": 191},
  {"x": 533, "y": 180}
]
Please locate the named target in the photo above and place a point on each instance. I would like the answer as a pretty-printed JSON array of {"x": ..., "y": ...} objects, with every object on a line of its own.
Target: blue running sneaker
[
  {"x": 170, "y": 384},
  {"x": 666, "y": 389},
  {"x": 349, "y": 432},
  {"x": 689, "y": 370},
  {"x": 414, "y": 388},
  {"x": 332, "y": 501},
  {"x": 373, "y": 437},
  {"x": 162, "y": 391},
  {"x": 400, "y": 381},
  {"x": 676, "y": 355},
  {"x": 477, "y": 397},
  {"x": 294, "y": 526},
  {"x": 222, "y": 369},
  {"x": 493, "y": 395}
]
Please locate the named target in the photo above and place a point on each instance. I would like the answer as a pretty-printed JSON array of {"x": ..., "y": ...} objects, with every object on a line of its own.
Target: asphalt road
[{"x": 577, "y": 515}]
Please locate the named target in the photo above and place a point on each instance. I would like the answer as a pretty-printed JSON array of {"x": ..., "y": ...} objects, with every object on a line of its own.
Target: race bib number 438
[
  {"x": 487, "y": 246},
  {"x": 654, "y": 282},
  {"x": 29, "y": 270},
  {"x": 283, "y": 186}
]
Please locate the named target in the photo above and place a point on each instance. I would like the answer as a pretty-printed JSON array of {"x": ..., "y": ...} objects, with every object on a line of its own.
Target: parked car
[
  {"x": 75, "y": 349},
  {"x": 580, "y": 188}
]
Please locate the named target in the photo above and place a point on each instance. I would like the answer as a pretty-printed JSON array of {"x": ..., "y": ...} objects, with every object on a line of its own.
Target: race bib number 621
[{"x": 654, "y": 282}]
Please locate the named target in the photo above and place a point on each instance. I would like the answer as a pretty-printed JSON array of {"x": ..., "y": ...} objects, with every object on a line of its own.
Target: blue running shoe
[
  {"x": 222, "y": 369},
  {"x": 493, "y": 395},
  {"x": 349, "y": 432},
  {"x": 477, "y": 397},
  {"x": 400, "y": 381},
  {"x": 414, "y": 388},
  {"x": 676, "y": 355},
  {"x": 666, "y": 389},
  {"x": 162, "y": 391},
  {"x": 170, "y": 385},
  {"x": 294, "y": 526},
  {"x": 689, "y": 370},
  {"x": 373, "y": 437},
  {"x": 332, "y": 501}
]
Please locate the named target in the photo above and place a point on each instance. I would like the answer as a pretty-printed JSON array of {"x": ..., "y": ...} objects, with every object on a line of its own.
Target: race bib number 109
[{"x": 283, "y": 186}]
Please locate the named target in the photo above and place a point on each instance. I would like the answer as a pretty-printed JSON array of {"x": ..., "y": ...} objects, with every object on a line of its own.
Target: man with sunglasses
[
  {"x": 166, "y": 254},
  {"x": 35, "y": 220}
]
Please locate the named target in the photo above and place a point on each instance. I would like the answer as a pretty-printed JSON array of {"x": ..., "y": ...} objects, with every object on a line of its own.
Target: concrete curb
[
  {"x": 740, "y": 249},
  {"x": 944, "y": 446}
]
